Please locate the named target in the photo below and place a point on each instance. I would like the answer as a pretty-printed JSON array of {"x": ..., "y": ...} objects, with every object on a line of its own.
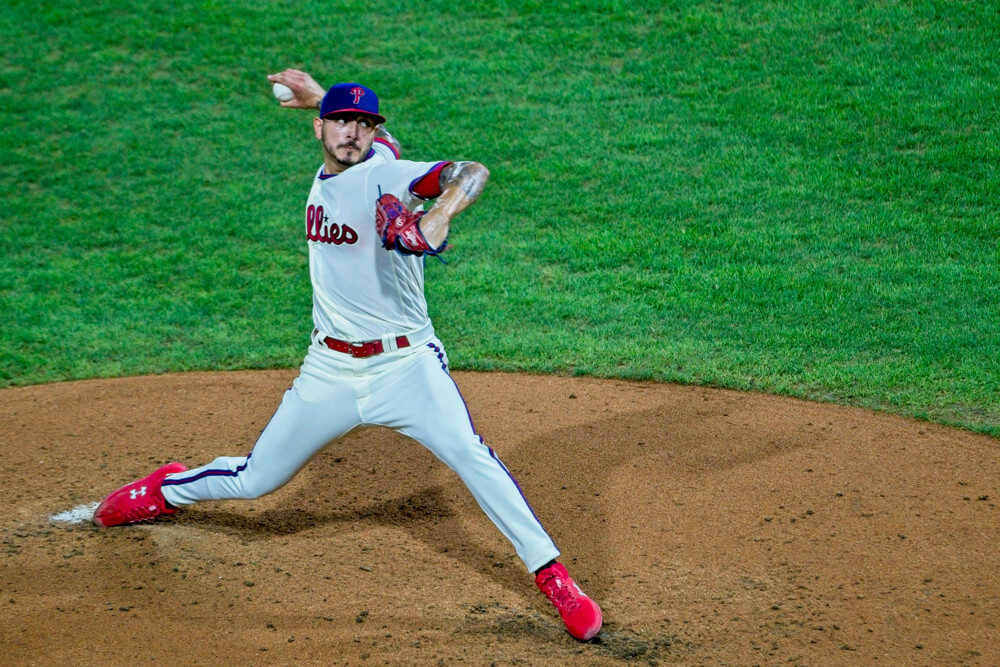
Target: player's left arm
[{"x": 461, "y": 184}]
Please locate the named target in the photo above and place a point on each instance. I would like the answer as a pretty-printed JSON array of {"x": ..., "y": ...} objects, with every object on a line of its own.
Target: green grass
[{"x": 784, "y": 197}]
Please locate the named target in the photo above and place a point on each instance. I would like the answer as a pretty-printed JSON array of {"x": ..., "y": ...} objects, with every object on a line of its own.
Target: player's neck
[{"x": 332, "y": 167}]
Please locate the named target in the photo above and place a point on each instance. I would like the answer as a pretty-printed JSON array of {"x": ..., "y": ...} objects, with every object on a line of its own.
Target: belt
[{"x": 360, "y": 350}]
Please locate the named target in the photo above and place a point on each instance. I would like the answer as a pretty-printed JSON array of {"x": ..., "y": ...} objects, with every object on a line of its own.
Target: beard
[{"x": 347, "y": 160}]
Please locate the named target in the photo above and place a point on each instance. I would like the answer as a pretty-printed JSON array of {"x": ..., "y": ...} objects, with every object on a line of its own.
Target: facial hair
[{"x": 331, "y": 148}]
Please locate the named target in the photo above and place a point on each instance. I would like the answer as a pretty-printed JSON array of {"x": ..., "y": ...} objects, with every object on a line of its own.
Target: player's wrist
[{"x": 435, "y": 235}]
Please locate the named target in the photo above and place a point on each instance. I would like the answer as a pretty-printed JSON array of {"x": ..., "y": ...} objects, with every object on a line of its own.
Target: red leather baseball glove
[{"x": 399, "y": 228}]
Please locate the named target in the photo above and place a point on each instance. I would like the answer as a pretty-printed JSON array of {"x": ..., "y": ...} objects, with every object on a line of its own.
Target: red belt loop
[{"x": 361, "y": 350}]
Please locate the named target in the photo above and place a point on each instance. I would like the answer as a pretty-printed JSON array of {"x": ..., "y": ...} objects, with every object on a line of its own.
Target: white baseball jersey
[{"x": 361, "y": 291}]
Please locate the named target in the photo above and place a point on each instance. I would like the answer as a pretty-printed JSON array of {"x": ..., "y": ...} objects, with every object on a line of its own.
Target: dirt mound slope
[{"x": 712, "y": 526}]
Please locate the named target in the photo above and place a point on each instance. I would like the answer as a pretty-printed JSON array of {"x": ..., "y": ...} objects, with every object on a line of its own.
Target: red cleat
[
  {"x": 138, "y": 501},
  {"x": 581, "y": 615}
]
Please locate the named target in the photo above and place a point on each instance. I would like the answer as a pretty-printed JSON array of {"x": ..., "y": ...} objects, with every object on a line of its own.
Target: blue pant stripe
[{"x": 209, "y": 473}]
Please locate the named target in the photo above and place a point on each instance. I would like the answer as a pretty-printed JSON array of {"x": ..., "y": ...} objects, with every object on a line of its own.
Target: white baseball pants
[{"x": 335, "y": 393}]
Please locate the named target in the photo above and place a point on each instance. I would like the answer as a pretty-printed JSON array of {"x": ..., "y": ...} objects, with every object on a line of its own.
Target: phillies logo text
[{"x": 320, "y": 229}]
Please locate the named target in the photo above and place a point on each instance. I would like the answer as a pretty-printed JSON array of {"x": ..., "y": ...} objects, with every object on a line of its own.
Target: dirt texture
[{"x": 714, "y": 527}]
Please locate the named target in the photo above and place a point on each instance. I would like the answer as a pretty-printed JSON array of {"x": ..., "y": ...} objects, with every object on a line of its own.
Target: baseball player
[{"x": 374, "y": 357}]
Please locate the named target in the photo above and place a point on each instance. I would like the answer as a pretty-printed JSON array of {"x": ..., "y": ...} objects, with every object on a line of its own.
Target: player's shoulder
[
  {"x": 414, "y": 164},
  {"x": 384, "y": 149},
  {"x": 410, "y": 167}
]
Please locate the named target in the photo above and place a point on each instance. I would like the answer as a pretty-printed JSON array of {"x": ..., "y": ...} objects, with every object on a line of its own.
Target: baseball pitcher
[{"x": 374, "y": 357}]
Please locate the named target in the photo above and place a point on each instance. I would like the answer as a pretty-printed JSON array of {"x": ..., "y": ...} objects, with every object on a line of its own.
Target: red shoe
[
  {"x": 138, "y": 501},
  {"x": 581, "y": 615}
]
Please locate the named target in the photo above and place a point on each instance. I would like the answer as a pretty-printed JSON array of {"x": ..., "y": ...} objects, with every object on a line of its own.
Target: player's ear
[{"x": 318, "y": 128}]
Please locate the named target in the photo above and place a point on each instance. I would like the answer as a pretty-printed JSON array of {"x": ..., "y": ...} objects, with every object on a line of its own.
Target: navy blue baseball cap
[{"x": 348, "y": 98}]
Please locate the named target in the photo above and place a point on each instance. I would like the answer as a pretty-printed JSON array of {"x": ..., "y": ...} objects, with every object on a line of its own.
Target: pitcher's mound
[{"x": 712, "y": 526}]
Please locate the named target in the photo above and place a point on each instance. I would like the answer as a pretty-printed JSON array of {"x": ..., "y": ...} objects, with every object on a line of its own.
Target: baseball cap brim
[{"x": 378, "y": 117}]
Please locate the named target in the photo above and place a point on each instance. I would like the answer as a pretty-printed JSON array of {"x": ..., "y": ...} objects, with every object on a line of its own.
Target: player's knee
[
  {"x": 255, "y": 487},
  {"x": 461, "y": 454}
]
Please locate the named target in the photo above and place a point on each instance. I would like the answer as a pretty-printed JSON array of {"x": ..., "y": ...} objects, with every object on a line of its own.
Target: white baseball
[{"x": 283, "y": 92}]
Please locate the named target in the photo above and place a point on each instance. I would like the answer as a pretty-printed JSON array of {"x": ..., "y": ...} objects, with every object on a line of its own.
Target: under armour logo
[
  {"x": 138, "y": 492},
  {"x": 358, "y": 93}
]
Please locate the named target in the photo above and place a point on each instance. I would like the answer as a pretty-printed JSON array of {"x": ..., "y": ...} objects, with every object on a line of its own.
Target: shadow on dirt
[
  {"x": 426, "y": 507},
  {"x": 428, "y": 515},
  {"x": 617, "y": 643}
]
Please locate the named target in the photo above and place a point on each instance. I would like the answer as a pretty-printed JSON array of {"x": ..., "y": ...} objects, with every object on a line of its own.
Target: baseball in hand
[{"x": 283, "y": 92}]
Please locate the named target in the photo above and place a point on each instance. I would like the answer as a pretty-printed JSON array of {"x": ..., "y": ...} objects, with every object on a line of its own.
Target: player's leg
[
  {"x": 298, "y": 430},
  {"x": 435, "y": 414},
  {"x": 321, "y": 406}
]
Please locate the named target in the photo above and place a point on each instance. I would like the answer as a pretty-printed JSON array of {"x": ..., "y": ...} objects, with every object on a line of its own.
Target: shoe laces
[
  {"x": 561, "y": 593},
  {"x": 141, "y": 513}
]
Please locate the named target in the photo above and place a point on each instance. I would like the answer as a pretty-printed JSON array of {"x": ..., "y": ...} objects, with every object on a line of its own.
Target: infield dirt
[{"x": 714, "y": 527}]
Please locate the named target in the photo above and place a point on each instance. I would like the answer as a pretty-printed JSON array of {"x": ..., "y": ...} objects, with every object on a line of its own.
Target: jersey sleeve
[
  {"x": 413, "y": 182},
  {"x": 428, "y": 185}
]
